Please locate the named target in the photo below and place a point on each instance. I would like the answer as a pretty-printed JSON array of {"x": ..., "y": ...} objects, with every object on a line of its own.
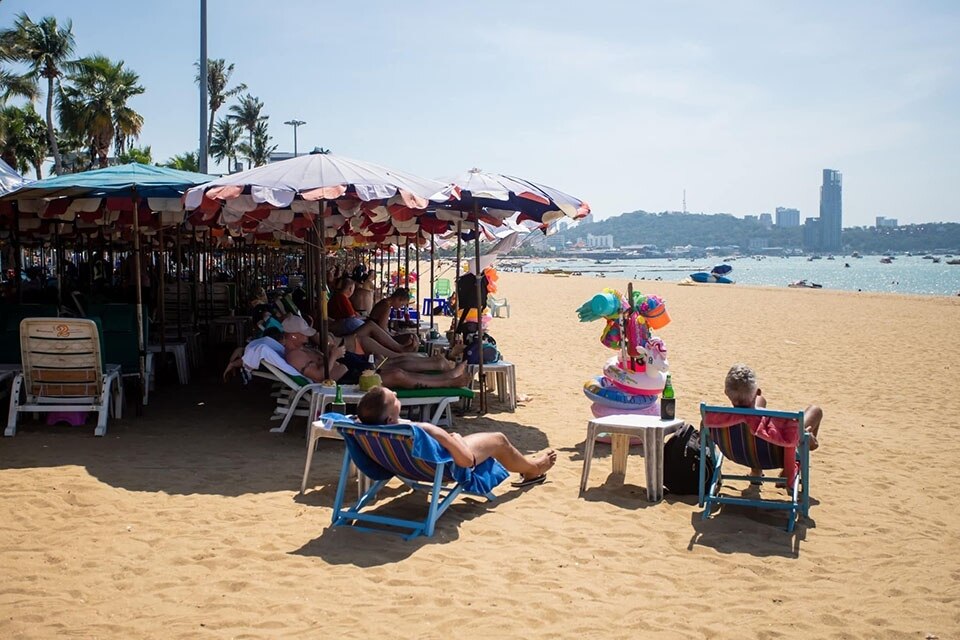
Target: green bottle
[
  {"x": 668, "y": 402},
  {"x": 338, "y": 406}
]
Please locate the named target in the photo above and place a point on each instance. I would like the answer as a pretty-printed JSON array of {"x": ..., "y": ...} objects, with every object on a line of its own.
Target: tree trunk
[
  {"x": 210, "y": 129},
  {"x": 51, "y": 134}
]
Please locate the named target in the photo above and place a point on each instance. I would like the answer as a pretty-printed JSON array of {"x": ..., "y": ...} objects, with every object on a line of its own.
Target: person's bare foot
[
  {"x": 814, "y": 443},
  {"x": 544, "y": 461}
]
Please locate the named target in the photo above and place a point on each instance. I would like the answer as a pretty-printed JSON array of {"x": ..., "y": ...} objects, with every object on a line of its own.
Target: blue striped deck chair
[
  {"x": 758, "y": 439},
  {"x": 409, "y": 453}
]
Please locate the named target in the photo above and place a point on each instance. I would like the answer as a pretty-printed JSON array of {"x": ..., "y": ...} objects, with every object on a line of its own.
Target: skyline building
[
  {"x": 787, "y": 217},
  {"x": 831, "y": 211}
]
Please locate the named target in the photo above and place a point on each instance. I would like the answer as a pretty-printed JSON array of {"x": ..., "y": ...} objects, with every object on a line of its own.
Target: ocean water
[{"x": 906, "y": 274}]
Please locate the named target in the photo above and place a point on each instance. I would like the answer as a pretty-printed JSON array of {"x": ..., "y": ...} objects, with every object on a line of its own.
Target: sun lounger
[{"x": 63, "y": 371}]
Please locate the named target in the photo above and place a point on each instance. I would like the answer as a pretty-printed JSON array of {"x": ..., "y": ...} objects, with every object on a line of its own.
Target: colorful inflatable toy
[{"x": 604, "y": 392}]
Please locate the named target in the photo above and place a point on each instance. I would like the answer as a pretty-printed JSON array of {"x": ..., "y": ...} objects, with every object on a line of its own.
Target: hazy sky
[{"x": 624, "y": 104}]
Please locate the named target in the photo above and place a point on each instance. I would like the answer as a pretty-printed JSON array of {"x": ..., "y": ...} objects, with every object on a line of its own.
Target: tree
[
  {"x": 143, "y": 155},
  {"x": 94, "y": 105},
  {"x": 23, "y": 139},
  {"x": 186, "y": 161},
  {"x": 248, "y": 115},
  {"x": 259, "y": 150},
  {"x": 225, "y": 142},
  {"x": 218, "y": 77},
  {"x": 46, "y": 49}
]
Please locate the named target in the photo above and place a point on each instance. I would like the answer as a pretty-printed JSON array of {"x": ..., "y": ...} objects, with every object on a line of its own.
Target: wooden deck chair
[
  {"x": 757, "y": 439},
  {"x": 412, "y": 455},
  {"x": 63, "y": 370}
]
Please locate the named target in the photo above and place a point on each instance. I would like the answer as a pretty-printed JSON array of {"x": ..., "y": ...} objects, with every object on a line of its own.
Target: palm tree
[
  {"x": 45, "y": 47},
  {"x": 143, "y": 155},
  {"x": 225, "y": 142},
  {"x": 218, "y": 77},
  {"x": 186, "y": 161},
  {"x": 247, "y": 115},
  {"x": 23, "y": 138},
  {"x": 258, "y": 153},
  {"x": 94, "y": 105}
]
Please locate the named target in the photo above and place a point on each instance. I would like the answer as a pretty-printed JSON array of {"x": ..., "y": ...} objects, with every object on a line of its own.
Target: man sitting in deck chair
[
  {"x": 380, "y": 406},
  {"x": 741, "y": 388},
  {"x": 403, "y": 371}
]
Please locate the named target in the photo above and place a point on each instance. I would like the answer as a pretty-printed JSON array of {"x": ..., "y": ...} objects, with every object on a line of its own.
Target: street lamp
[{"x": 295, "y": 124}]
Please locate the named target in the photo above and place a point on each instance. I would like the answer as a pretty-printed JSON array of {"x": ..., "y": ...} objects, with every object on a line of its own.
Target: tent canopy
[
  {"x": 10, "y": 180},
  {"x": 148, "y": 181}
]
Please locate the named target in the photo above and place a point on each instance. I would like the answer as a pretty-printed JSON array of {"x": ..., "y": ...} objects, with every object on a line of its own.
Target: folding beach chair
[
  {"x": 63, "y": 371},
  {"x": 416, "y": 458},
  {"x": 761, "y": 439}
]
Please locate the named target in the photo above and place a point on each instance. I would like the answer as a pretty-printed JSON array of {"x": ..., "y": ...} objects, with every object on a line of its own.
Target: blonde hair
[{"x": 741, "y": 385}]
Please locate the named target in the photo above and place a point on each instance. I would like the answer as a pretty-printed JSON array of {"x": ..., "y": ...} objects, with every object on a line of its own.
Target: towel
[
  {"x": 478, "y": 480},
  {"x": 269, "y": 350}
]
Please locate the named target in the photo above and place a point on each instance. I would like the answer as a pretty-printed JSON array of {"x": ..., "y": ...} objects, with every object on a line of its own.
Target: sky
[{"x": 741, "y": 104}]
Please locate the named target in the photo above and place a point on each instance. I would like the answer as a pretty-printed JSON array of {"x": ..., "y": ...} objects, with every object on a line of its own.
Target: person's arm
[
  {"x": 452, "y": 442},
  {"x": 760, "y": 402}
]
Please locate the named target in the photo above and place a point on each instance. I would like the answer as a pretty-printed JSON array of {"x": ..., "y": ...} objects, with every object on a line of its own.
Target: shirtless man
[
  {"x": 380, "y": 313},
  {"x": 347, "y": 367},
  {"x": 381, "y": 406}
]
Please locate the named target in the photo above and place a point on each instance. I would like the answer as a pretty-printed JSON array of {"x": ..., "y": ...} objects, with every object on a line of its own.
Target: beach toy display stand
[{"x": 632, "y": 380}]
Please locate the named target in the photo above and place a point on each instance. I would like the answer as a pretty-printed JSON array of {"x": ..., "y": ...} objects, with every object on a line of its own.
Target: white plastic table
[
  {"x": 505, "y": 376},
  {"x": 620, "y": 427}
]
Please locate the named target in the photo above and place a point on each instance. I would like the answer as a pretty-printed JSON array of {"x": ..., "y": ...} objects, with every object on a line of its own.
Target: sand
[{"x": 186, "y": 522}]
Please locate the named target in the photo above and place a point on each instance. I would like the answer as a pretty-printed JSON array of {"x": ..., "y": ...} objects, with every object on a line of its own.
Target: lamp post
[{"x": 295, "y": 123}]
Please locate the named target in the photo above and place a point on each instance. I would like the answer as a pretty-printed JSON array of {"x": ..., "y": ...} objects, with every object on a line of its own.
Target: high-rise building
[
  {"x": 831, "y": 210},
  {"x": 788, "y": 217},
  {"x": 766, "y": 220},
  {"x": 811, "y": 234}
]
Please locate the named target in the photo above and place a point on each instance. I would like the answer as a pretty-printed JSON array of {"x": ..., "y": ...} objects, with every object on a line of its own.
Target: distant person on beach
[
  {"x": 381, "y": 406},
  {"x": 405, "y": 371},
  {"x": 370, "y": 336},
  {"x": 380, "y": 313},
  {"x": 743, "y": 391}
]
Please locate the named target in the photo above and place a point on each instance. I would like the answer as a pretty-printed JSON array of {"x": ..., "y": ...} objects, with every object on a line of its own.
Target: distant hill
[{"x": 670, "y": 229}]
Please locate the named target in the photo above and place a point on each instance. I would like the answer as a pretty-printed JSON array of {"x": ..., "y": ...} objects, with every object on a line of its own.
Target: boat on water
[
  {"x": 846, "y": 265},
  {"x": 929, "y": 257},
  {"x": 805, "y": 284},
  {"x": 856, "y": 254},
  {"x": 886, "y": 260},
  {"x": 830, "y": 258},
  {"x": 936, "y": 261},
  {"x": 953, "y": 261},
  {"x": 598, "y": 261},
  {"x": 704, "y": 277}
]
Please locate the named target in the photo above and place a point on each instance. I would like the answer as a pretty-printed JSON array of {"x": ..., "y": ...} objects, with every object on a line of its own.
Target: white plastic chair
[{"x": 497, "y": 305}]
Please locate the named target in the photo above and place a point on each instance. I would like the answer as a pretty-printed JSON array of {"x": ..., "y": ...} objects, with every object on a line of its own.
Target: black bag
[{"x": 681, "y": 462}]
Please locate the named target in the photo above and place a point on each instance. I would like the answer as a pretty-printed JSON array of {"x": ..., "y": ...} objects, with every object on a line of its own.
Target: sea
[{"x": 905, "y": 274}]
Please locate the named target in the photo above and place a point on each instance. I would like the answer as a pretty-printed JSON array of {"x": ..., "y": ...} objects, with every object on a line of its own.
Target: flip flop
[{"x": 529, "y": 482}]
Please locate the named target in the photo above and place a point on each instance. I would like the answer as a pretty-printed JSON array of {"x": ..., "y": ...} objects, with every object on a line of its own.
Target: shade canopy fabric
[
  {"x": 10, "y": 180},
  {"x": 502, "y": 196},
  {"x": 144, "y": 180}
]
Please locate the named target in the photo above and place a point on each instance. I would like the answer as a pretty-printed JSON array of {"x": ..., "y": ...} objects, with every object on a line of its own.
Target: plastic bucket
[
  {"x": 658, "y": 318},
  {"x": 605, "y": 304}
]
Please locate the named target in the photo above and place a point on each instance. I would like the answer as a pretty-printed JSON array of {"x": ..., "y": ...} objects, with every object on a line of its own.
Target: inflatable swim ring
[
  {"x": 602, "y": 411},
  {"x": 635, "y": 382},
  {"x": 602, "y": 391}
]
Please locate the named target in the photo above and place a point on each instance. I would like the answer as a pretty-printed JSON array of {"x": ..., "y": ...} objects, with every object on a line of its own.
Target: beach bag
[
  {"x": 681, "y": 462},
  {"x": 490, "y": 351}
]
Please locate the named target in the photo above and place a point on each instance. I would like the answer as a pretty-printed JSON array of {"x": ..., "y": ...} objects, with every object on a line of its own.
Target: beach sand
[{"x": 186, "y": 523}]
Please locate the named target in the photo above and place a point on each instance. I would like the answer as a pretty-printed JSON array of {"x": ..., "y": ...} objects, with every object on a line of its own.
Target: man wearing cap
[{"x": 346, "y": 367}]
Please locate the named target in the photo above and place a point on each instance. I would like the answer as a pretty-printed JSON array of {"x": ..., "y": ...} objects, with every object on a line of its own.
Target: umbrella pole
[
  {"x": 416, "y": 258},
  {"x": 432, "y": 296},
  {"x": 478, "y": 274},
  {"x": 136, "y": 274},
  {"x": 179, "y": 279},
  {"x": 17, "y": 257},
  {"x": 323, "y": 297},
  {"x": 162, "y": 278},
  {"x": 456, "y": 278}
]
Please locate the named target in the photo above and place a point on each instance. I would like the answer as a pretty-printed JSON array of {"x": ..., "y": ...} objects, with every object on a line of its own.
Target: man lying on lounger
[
  {"x": 403, "y": 371},
  {"x": 381, "y": 406}
]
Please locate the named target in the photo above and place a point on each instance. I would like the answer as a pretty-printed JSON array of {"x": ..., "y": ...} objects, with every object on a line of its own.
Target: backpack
[
  {"x": 681, "y": 462},
  {"x": 490, "y": 351}
]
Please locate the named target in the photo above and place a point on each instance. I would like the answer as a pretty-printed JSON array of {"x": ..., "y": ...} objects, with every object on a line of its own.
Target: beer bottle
[
  {"x": 668, "y": 402},
  {"x": 338, "y": 406}
]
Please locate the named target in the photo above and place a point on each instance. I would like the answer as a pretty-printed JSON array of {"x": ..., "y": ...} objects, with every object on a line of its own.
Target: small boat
[
  {"x": 953, "y": 261},
  {"x": 704, "y": 277},
  {"x": 805, "y": 284},
  {"x": 598, "y": 261},
  {"x": 830, "y": 258},
  {"x": 936, "y": 261},
  {"x": 886, "y": 260},
  {"x": 929, "y": 257},
  {"x": 846, "y": 265}
]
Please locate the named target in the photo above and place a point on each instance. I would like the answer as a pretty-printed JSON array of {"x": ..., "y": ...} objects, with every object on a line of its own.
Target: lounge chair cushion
[{"x": 435, "y": 392}]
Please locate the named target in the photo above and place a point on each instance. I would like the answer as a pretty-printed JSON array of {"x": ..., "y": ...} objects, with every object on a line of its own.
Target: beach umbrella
[
  {"x": 291, "y": 197},
  {"x": 721, "y": 269},
  {"x": 493, "y": 197},
  {"x": 107, "y": 195}
]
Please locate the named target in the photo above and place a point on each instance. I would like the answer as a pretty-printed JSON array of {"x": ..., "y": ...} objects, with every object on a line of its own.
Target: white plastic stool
[
  {"x": 179, "y": 351},
  {"x": 505, "y": 376}
]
